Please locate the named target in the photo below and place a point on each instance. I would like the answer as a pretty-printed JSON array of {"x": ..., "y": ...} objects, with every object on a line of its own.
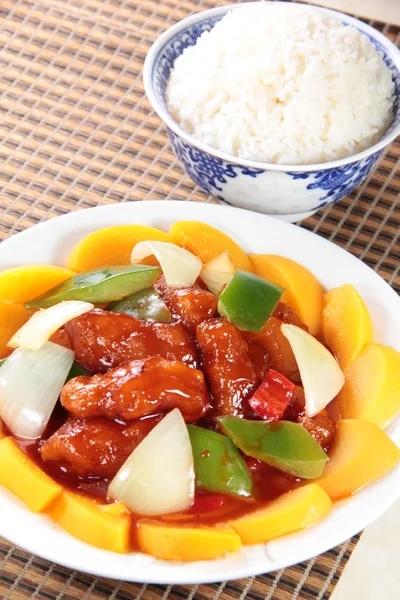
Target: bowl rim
[
  {"x": 165, "y": 116},
  {"x": 40, "y": 536}
]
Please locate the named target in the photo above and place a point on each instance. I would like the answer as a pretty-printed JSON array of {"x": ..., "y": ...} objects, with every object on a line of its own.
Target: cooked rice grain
[{"x": 282, "y": 84}]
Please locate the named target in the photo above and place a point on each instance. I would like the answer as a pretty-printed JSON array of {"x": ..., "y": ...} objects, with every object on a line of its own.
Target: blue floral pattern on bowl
[
  {"x": 208, "y": 171},
  {"x": 314, "y": 188},
  {"x": 338, "y": 183}
]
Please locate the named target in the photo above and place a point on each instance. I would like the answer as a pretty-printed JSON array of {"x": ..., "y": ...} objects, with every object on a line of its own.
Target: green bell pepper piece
[
  {"x": 146, "y": 305},
  {"x": 218, "y": 465},
  {"x": 76, "y": 371},
  {"x": 284, "y": 445},
  {"x": 101, "y": 285},
  {"x": 2, "y": 362},
  {"x": 248, "y": 301}
]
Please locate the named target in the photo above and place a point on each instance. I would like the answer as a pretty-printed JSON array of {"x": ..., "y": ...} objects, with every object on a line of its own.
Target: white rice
[{"x": 282, "y": 84}]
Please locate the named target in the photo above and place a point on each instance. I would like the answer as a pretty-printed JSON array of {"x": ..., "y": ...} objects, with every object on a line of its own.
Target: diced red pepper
[
  {"x": 208, "y": 502},
  {"x": 271, "y": 399}
]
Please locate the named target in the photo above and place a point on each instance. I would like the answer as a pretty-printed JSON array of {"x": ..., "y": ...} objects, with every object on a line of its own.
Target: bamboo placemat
[{"x": 77, "y": 131}]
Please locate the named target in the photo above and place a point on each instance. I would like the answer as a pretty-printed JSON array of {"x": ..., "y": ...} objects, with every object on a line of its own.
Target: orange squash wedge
[
  {"x": 12, "y": 317},
  {"x": 21, "y": 476},
  {"x": 372, "y": 387},
  {"x": 21, "y": 284},
  {"x": 186, "y": 543},
  {"x": 208, "y": 243},
  {"x": 297, "y": 509},
  {"x": 91, "y": 522},
  {"x": 303, "y": 292},
  {"x": 346, "y": 323},
  {"x": 361, "y": 453},
  {"x": 111, "y": 246}
]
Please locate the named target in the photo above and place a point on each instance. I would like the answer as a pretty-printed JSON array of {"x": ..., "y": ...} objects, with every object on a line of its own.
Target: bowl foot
[{"x": 295, "y": 217}]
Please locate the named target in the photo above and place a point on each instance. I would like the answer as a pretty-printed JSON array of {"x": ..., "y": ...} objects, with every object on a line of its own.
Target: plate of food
[{"x": 192, "y": 393}]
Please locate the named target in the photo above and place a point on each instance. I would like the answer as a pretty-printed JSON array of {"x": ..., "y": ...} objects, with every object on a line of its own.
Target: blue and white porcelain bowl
[{"x": 291, "y": 193}]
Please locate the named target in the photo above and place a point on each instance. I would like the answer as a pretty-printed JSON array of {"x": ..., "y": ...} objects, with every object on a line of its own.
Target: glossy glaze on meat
[
  {"x": 145, "y": 369},
  {"x": 230, "y": 373},
  {"x": 96, "y": 447},
  {"x": 280, "y": 353},
  {"x": 103, "y": 340},
  {"x": 260, "y": 359},
  {"x": 190, "y": 305},
  {"x": 321, "y": 427},
  {"x": 61, "y": 338},
  {"x": 284, "y": 313},
  {"x": 137, "y": 389}
]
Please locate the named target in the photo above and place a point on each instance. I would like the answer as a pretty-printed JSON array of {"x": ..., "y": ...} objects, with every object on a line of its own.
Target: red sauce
[{"x": 269, "y": 482}]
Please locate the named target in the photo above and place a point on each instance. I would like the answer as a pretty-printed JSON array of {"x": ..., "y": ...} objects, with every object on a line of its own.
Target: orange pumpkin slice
[
  {"x": 111, "y": 246},
  {"x": 21, "y": 476},
  {"x": 208, "y": 243},
  {"x": 21, "y": 284},
  {"x": 303, "y": 292},
  {"x": 290, "y": 512},
  {"x": 186, "y": 543},
  {"x": 361, "y": 453},
  {"x": 91, "y": 522},
  {"x": 346, "y": 323},
  {"x": 372, "y": 387},
  {"x": 12, "y": 317}
]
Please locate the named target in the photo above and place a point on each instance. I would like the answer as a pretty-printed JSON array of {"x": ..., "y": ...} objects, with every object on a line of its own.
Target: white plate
[{"x": 52, "y": 241}]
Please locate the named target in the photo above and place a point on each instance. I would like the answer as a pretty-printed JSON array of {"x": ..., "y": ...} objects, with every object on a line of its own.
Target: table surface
[
  {"x": 76, "y": 131},
  {"x": 384, "y": 10},
  {"x": 376, "y": 554}
]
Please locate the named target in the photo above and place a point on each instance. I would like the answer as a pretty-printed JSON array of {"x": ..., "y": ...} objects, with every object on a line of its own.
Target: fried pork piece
[
  {"x": 284, "y": 313},
  {"x": 191, "y": 305},
  {"x": 103, "y": 340},
  {"x": 321, "y": 427},
  {"x": 136, "y": 389},
  {"x": 272, "y": 339},
  {"x": 260, "y": 359},
  {"x": 231, "y": 375},
  {"x": 96, "y": 447},
  {"x": 61, "y": 338},
  {"x": 281, "y": 355}
]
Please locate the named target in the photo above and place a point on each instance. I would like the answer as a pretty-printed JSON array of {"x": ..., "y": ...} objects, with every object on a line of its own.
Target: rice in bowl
[{"x": 281, "y": 83}]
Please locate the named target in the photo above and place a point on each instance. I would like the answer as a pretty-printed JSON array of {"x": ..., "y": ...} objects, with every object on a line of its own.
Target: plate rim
[{"x": 174, "y": 573}]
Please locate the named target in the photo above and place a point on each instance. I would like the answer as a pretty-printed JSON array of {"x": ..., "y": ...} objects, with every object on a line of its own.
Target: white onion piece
[
  {"x": 181, "y": 268},
  {"x": 30, "y": 384},
  {"x": 321, "y": 376},
  {"x": 41, "y": 326},
  {"x": 158, "y": 477},
  {"x": 217, "y": 273}
]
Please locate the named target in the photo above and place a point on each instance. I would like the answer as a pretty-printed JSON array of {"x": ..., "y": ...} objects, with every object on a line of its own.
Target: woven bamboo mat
[{"x": 76, "y": 131}]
